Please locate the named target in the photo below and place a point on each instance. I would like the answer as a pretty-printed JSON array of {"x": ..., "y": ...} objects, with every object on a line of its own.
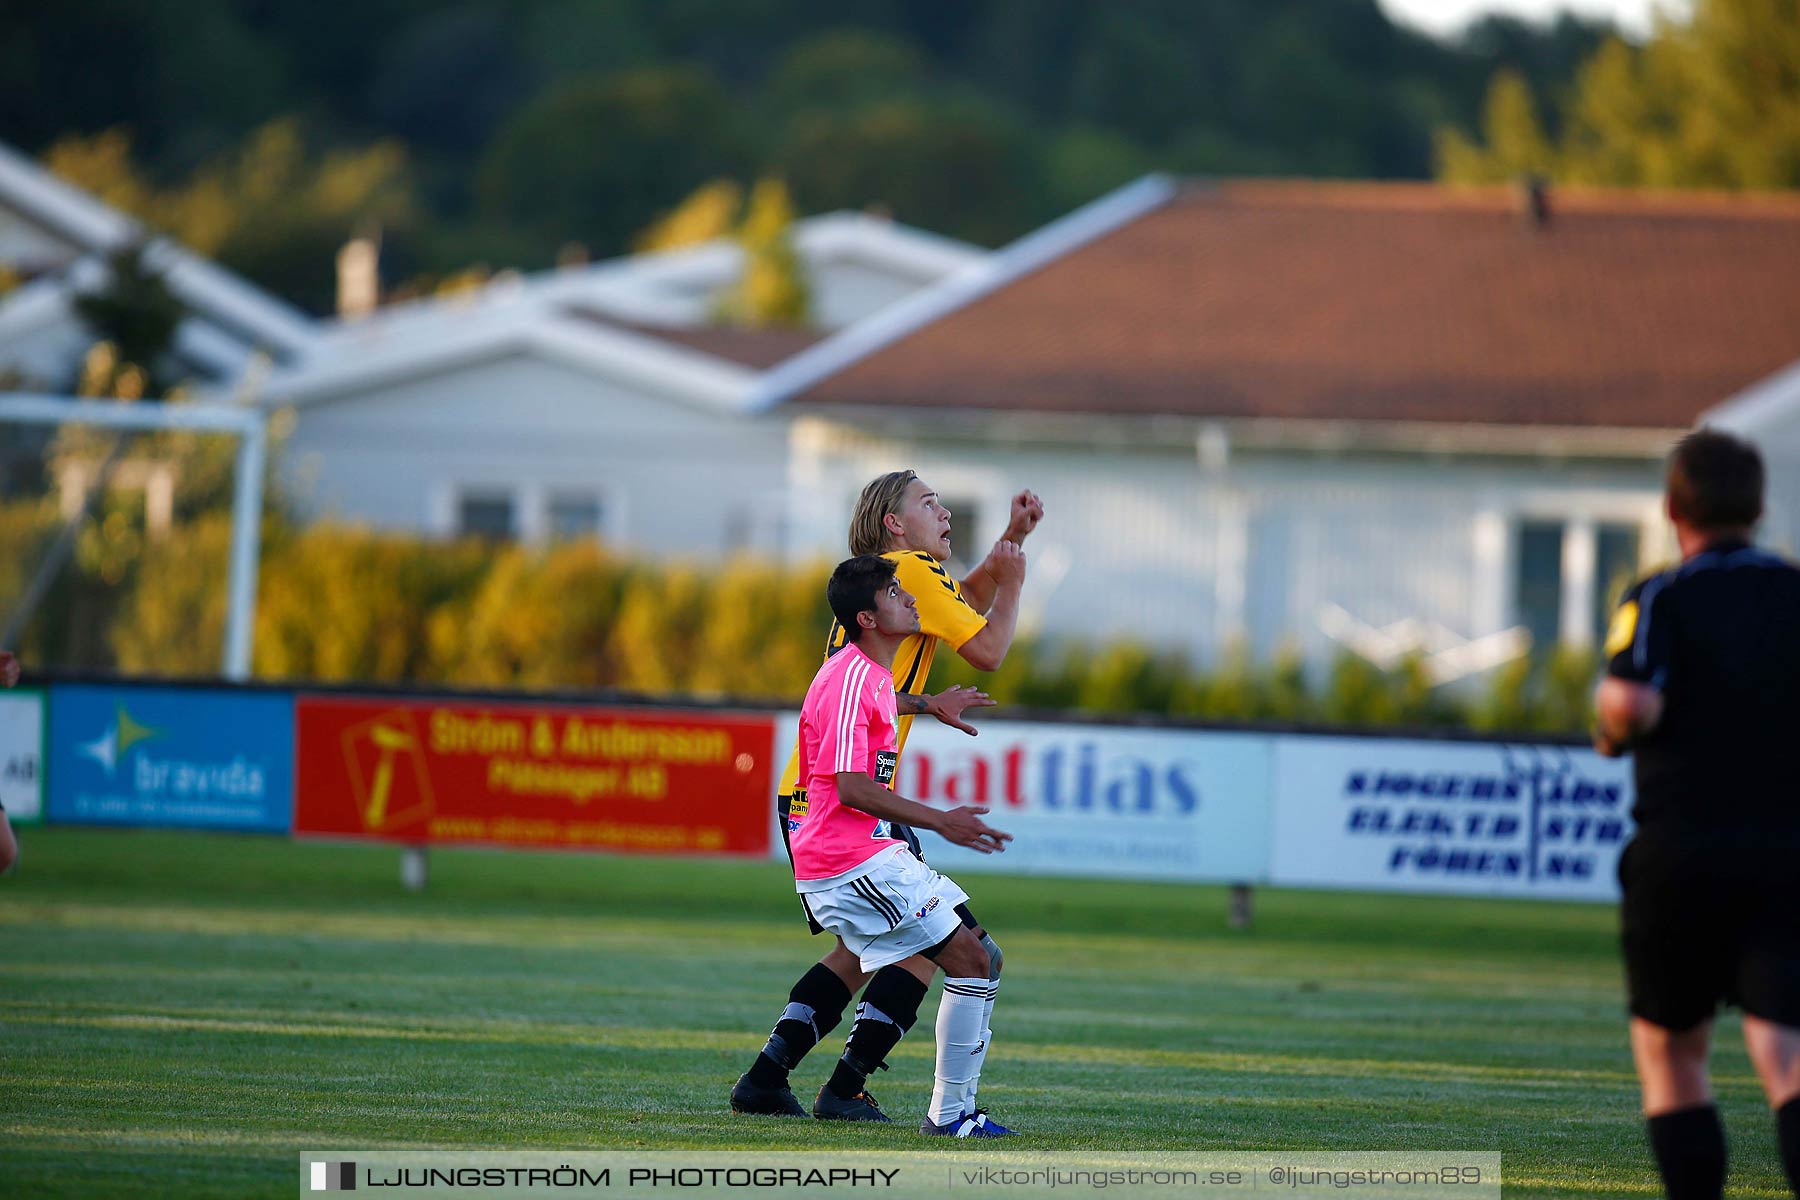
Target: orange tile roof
[
  {"x": 758, "y": 349},
  {"x": 755, "y": 348},
  {"x": 1377, "y": 302}
]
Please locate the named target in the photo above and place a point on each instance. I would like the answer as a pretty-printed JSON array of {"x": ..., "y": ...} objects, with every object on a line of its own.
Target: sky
[{"x": 1447, "y": 16}]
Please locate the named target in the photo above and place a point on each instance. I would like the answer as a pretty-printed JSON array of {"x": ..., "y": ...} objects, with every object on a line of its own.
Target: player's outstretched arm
[
  {"x": 979, "y": 586},
  {"x": 947, "y": 706},
  {"x": 987, "y": 649},
  {"x": 958, "y": 826}
]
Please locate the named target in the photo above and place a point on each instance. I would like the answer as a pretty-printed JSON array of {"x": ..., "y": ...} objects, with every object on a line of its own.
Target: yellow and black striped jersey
[{"x": 944, "y": 616}]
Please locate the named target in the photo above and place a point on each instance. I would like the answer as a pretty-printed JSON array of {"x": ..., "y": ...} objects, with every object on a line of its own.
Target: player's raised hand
[
  {"x": 1006, "y": 562},
  {"x": 949, "y": 705},
  {"x": 964, "y": 827},
  {"x": 1027, "y": 511}
]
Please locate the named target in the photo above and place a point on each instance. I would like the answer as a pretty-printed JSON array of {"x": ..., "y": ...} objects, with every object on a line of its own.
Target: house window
[
  {"x": 1537, "y": 583},
  {"x": 1615, "y": 569},
  {"x": 487, "y": 514},
  {"x": 1568, "y": 579},
  {"x": 571, "y": 516}
]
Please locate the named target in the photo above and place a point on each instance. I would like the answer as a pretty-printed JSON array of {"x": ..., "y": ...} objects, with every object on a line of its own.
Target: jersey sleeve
[
  {"x": 943, "y": 613},
  {"x": 1637, "y": 641}
]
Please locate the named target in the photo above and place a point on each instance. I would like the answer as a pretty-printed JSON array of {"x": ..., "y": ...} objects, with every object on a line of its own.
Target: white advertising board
[
  {"x": 1120, "y": 803},
  {"x": 1469, "y": 818},
  {"x": 21, "y": 755}
]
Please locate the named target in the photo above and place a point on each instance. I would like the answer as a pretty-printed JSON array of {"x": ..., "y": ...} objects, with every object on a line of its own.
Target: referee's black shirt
[{"x": 1719, "y": 637}]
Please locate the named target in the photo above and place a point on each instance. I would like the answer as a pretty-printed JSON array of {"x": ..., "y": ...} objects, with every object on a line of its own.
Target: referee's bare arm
[
  {"x": 959, "y": 826},
  {"x": 1624, "y": 711}
]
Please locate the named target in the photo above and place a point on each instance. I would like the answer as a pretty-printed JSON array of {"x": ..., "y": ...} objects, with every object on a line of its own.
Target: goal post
[{"x": 250, "y": 427}]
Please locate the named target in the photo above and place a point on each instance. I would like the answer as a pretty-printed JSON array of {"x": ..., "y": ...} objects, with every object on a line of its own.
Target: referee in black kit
[{"x": 1702, "y": 685}]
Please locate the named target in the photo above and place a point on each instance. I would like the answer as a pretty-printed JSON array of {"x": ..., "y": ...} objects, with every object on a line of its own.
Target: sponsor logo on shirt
[{"x": 885, "y": 761}]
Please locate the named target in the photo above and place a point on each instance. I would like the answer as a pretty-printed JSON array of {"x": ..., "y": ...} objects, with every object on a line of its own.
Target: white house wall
[
  {"x": 1781, "y": 518},
  {"x": 45, "y": 347},
  {"x": 1148, "y": 544},
  {"x": 845, "y": 291},
  {"x": 672, "y": 479},
  {"x": 1776, "y": 432}
]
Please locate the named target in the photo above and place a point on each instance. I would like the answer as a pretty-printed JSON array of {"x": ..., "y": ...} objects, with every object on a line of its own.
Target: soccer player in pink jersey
[
  {"x": 891, "y": 909},
  {"x": 900, "y": 517}
]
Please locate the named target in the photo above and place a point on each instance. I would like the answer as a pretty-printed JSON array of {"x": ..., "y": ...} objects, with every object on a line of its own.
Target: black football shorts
[{"x": 1707, "y": 920}]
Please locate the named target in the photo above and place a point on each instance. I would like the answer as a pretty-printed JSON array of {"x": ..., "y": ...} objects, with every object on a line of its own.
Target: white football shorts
[{"x": 896, "y": 910}]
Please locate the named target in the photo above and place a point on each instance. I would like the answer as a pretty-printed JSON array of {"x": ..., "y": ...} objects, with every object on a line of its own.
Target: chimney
[
  {"x": 358, "y": 277},
  {"x": 1534, "y": 202}
]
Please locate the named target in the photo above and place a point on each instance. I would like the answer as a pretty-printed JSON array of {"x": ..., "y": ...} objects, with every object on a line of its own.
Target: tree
[
  {"x": 569, "y": 38},
  {"x": 1547, "y": 55},
  {"x": 135, "y": 312},
  {"x": 706, "y": 215},
  {"x": 450, "y": 78},
  {"x": 271, "y": 210},
  {"x": 596, "y": 159},
  {"x": 958, "y": 165},
  {"x": 845, "y": 69},
  {"x": 772, "y": 289},
  {"x": 1086, "y": 162},
  {"x": 1713, "y": 103},
  {"x": 191, "y": 75},
  {"x": 1516, "y": 146}
]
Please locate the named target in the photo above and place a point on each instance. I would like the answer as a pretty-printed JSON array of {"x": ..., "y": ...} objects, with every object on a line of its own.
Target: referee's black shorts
[{"x": 1709, "y": 919}]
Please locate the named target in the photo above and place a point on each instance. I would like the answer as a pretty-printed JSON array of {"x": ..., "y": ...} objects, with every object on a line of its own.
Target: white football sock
[
  {"x": 987, "y": 1043},
  {"x": 962, "y": 1016}
]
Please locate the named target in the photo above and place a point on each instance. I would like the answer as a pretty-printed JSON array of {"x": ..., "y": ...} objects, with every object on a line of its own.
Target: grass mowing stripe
[
  {"x": 663, "y": 1038},
  {"x": 183, "y": 1012}
]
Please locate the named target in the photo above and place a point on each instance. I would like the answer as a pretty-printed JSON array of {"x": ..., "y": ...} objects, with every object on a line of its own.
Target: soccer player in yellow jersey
[{"x": 900, "y": 517}]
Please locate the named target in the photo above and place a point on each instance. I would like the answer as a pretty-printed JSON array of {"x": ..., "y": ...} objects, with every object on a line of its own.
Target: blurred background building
[{"x": 1324, "y": 335}]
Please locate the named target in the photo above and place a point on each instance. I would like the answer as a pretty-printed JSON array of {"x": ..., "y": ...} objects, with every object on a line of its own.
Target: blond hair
[{"x": 868, "y": 533}]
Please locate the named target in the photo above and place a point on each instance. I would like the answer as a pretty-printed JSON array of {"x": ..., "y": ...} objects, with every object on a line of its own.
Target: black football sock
[
  {"x": 1689, "y": 1145},
  {"x": 890, "y": 1005},
  {"x": 1787, "y": 1131},
  {"x": 815, "y": 1008}
]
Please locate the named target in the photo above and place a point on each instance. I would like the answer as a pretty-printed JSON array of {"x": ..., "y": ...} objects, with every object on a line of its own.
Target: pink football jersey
[{"x": 847, "y": 724}]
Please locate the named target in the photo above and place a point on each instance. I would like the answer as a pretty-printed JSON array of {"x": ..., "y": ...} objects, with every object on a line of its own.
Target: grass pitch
[{"x": 180, "y": 1014}]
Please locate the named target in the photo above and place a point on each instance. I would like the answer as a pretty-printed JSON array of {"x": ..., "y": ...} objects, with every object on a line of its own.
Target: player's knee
[
  {"x": 964, "y": 957},
  {"x": 995, "y": 958},
  {"x": 1681, "y": 1051},
  {"x": 844, "y": 963}
]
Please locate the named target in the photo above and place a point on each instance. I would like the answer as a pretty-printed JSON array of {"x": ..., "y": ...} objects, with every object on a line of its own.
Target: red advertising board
[{"x": 445, "y": 772}]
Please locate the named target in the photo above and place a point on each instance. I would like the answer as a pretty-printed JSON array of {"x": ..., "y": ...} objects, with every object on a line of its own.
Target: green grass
[{"x": 181, "y": 1014}]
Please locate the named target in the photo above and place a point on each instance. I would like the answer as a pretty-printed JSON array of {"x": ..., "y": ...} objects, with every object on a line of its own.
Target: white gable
[
  {"x": 527, "y": 430},
  {"x": 51, "y": 227},
  {"x": 1768, "y": 413}
]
